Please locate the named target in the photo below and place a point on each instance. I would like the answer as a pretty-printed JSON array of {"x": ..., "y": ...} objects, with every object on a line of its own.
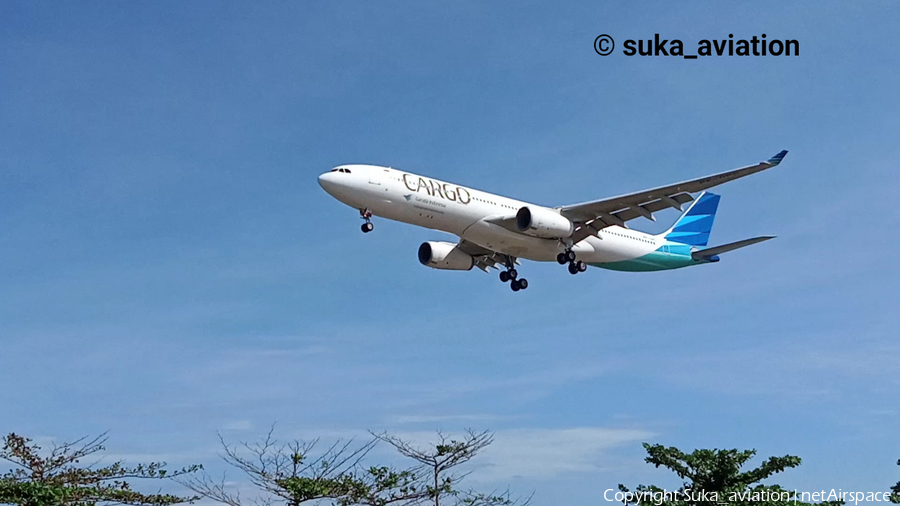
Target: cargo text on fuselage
[{"x": 437, "y": 189}]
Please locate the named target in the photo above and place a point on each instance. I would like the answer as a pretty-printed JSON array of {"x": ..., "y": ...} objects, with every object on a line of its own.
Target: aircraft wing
[
  {"x": 484, "y": 258},
  {"x": 590, "y": 217}
]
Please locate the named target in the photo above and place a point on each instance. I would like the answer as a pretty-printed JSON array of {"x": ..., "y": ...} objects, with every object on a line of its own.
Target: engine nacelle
[
  {"x": 542, "y": 222},
  {"x": 445, "y": 255}
]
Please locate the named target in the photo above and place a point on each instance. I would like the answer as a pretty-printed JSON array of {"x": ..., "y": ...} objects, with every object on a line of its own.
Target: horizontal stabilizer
[{"x": 718, "y": 250}]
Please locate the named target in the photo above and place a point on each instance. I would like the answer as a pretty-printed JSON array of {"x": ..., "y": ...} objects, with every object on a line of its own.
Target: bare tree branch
[{"x": 298, "y": 472}]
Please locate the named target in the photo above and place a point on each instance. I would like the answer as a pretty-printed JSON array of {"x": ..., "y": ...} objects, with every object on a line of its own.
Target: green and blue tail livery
[{"x": 696, "y": 223}]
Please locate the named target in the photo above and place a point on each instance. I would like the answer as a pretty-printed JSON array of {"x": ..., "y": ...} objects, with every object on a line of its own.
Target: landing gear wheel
[
  {"x": 523, "y": 283},
  {"x": 514, "y": 284},
  {"x": 504, "y": 276},
  {"x": 512, "y": 274},
  {"x": 573, "y": 268},
  {"x": 365, "y": 214},
  {"x": 562, "y": 259},
  {"x": 581, "y": 266},
  {"x": 570, "y": 255}
]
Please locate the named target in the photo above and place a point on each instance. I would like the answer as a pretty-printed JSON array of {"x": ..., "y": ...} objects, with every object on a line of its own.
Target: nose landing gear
[{"x": 365, "y": 214}]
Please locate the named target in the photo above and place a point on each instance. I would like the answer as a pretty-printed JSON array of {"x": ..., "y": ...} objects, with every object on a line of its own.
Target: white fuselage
[{"x": 464, "y": 211}]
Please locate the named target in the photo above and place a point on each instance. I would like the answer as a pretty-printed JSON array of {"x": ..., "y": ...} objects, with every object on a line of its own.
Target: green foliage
[
  {"x": 895, "y": 490},
  {"x": 714, "y": 477},
  {"x": 58, "y": 477},
  {"x": 380, "y": 486},
  {"x": 29, "y": 493}
]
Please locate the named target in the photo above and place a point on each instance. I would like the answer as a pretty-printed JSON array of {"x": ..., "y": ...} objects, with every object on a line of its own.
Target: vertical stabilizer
[{"x": 696, "y": 223}]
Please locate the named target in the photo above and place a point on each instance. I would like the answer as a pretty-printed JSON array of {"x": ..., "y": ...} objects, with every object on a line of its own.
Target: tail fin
[{"x": 696, "y": 223}]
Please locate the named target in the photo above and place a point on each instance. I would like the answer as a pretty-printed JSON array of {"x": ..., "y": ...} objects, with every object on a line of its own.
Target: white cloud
[{"x": 545, "y": 453}]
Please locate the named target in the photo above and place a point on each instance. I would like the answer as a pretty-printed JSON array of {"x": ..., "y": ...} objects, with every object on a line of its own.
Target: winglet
[{"x": 775, "y": 160}]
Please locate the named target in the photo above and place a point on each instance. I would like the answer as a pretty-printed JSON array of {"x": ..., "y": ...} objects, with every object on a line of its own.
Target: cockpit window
[{"x": 341, "y": 169}]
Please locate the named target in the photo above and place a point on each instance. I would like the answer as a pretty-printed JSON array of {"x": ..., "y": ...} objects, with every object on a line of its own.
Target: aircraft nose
[{"x": 327, "y": 181}]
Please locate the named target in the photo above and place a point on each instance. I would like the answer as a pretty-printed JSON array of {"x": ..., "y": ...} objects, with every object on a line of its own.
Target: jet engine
[
  {"x": 445, "y": 255},
  {"x": 543, "y": 222}
]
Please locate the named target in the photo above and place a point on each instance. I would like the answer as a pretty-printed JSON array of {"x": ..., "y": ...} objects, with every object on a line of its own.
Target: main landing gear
[
  {"x": 576, "y": 267},
  {"x": 568, "y": 257},
  {"x": 365, "y": 214},
  {"x": 511, "y": 275},
  {"x": 564, "y": 258}
]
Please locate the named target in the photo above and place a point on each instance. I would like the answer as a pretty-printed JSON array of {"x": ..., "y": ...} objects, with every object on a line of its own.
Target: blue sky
[{"x": 170, "y": 267}]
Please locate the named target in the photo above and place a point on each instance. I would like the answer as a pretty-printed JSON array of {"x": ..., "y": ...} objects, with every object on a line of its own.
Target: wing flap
[{"x": 485, "y": 258}]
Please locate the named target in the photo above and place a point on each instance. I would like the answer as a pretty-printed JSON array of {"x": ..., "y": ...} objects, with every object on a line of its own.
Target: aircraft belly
[{"x": 501, "y": 240}]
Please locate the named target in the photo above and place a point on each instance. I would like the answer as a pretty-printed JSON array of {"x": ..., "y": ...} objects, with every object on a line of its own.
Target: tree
[
  {"x": 58, "y": 477},
  {"x": 289, "y": 473},
  {"x": 295, "y": 473},
  {"x": 895, "y": 490},
  {"x": 714, "y": 477},
  {"x": 436, "y": 474}
]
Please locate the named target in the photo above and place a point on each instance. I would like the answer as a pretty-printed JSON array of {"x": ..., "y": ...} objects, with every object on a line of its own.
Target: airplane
[{"x": 495, "y": 230}]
